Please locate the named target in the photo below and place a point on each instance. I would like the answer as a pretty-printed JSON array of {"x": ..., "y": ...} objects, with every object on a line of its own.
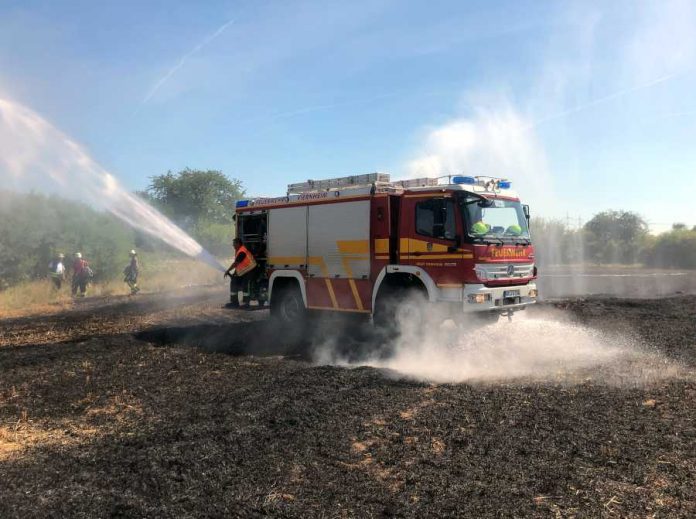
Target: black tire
[
  {"x": 287, "y": 307},
  {"x": 396, "y": 304}
]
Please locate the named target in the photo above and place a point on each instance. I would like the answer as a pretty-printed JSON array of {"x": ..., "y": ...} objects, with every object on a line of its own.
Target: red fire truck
[{"x": 361, "y": 243}]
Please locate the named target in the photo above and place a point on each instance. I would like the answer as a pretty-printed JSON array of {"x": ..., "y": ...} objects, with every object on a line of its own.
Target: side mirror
[
  {"x": 525, "y": 208},
  {"x": 234, "y": 217}
]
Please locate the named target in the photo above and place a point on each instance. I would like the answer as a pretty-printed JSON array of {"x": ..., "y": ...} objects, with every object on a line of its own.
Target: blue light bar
[
  {"x": 242, "y": 203},
  {"x": 464, "y": 180},
  {"x": 504, "y": 184}
]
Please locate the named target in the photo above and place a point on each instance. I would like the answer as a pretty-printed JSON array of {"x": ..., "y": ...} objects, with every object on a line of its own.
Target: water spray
[{"x": 35, "y": 153}]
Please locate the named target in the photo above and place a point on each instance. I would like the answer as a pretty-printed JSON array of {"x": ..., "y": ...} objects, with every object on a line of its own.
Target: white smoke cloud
[
  {"x": 496, "y": 140},
  {"x": 599, "y": 55}
]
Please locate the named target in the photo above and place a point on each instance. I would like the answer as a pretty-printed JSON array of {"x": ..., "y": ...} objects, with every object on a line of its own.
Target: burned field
[{"x": 177, "y": 408}]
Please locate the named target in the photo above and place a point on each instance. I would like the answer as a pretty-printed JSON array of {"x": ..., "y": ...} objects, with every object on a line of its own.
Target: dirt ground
[{"x": 173, "y": 407}]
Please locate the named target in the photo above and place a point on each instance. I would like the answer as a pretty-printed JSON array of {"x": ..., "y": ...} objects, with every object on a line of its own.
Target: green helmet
[
  {"x": 479, "y": 228},
  {"x": 514, "y": 229}
]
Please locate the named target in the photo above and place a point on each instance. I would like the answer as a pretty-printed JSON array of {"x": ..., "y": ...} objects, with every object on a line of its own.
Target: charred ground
[{"x": 173, "y": 407}]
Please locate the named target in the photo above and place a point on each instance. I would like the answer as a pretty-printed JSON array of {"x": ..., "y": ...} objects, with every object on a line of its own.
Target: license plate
[{"x": 511, "y": 293}]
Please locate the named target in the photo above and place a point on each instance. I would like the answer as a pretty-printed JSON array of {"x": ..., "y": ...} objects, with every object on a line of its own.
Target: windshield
[{"x": 486, "y": 219}]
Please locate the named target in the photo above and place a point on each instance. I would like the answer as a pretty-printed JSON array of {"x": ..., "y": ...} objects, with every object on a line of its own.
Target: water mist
[{"x": 35, "y": 154}]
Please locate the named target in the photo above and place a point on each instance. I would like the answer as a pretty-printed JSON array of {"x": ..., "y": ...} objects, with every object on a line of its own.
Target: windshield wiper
[{"x": 500, "y": 240}]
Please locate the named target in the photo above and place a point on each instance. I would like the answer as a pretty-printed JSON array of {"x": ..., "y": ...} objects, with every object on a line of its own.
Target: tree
[
  {"x": 675, "y": 248},
  {"x": 195, "y": 197},
  {"x": 616, "y": 236}
]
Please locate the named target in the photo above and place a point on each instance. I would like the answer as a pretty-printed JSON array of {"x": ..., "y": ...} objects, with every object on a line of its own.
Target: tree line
[{"x": 613, "y": 237}]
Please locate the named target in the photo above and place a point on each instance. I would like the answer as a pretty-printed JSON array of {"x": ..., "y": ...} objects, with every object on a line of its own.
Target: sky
[{"x": 584, "y": 105}]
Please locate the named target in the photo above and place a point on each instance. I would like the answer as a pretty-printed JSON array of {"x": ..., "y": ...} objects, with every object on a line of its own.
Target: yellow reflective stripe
[
  {"x": 353, "y": 287},
  {"x": 353, "y": 246},
  {"x": 413, "y": 245},
  {"x": 382, "y": 246}
]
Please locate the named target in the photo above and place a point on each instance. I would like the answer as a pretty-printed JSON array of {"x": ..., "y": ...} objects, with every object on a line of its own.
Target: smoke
[
  {"x": 495, "y": 140},
  {"x": 542, "y": 346},
  {"x": 36, "y": 155}
]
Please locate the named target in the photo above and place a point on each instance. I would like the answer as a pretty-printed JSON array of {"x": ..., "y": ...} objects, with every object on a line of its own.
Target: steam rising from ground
[
  {"x": 35, "y": 154},
  {"x": 543, "y": 347}
]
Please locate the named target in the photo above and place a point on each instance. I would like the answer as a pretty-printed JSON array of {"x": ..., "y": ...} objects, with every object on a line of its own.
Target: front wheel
[
  {"x": 400, "y": 311},
  {"x": 288, "y": 308}
]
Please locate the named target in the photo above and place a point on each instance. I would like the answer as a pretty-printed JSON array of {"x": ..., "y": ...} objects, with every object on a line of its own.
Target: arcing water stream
[{"x": 35, "y": 154}]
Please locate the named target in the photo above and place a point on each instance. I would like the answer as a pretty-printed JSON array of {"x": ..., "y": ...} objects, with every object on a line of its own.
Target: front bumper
[{"x": 480, "y": 298}]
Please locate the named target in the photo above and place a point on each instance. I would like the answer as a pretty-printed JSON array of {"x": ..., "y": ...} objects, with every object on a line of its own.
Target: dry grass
[{"x": 40, "y": 296}]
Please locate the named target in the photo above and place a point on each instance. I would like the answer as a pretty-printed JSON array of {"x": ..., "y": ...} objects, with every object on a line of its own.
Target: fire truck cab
[{"x": 360, "y": 243}]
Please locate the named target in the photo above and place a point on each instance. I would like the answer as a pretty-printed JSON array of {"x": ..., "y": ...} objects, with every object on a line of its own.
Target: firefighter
[
  {"x": 56, "y": 271},
  {"x": 131, "y": 273},
  {"x": 82, "y": 274},
  {"x": 244, "y": 266}
]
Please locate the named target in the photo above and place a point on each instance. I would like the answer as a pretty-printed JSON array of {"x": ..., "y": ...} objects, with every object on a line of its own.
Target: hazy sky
[{"x": 585, "y": 106}]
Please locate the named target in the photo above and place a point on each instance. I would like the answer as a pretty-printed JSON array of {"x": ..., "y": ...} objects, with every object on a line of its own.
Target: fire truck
[{"x": 362, "y": 244}]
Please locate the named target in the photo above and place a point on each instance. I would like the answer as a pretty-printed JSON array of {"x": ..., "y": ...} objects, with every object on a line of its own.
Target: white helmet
[
  {"x": 78, "y": 255},
  {"x": 132, "y": 252}
]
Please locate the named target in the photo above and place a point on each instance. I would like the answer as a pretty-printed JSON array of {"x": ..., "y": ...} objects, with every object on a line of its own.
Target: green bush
[{"x": 673, "y": 249}]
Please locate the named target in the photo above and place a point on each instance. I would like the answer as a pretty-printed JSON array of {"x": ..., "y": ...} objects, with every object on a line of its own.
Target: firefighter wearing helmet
[
  {"x": 56, "y": 271},
  {"x": 131, "y": 272},
  {"x": 82, "y": 275},
  {"x": 245, "y": 273}
]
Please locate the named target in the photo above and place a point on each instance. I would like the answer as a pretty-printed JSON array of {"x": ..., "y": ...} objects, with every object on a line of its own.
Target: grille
[{"x": 495, "y": 271}]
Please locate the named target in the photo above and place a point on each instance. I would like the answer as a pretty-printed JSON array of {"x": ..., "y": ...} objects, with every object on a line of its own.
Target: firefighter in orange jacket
[{"x": 244, "y": 266}]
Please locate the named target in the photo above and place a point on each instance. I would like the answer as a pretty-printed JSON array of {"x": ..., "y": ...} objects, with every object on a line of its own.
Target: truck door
[{"x": 431, "y": 238}]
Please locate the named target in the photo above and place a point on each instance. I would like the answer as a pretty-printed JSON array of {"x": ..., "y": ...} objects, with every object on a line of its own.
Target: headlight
[
  {"x": 479, "y": 298},
  {"x": 533, "y": 292}
]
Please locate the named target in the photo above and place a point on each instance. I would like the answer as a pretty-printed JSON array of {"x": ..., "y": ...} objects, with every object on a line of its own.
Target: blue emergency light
[
  {"x": 242, "y": 203},
  {"x": 504, "y": 184},
  {"x": 464, "y": 180}
]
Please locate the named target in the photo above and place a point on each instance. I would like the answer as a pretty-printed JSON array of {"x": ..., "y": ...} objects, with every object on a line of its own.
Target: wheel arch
[
  {"x": 284, "y": 276},
  {"x": 404, "y": 275}
]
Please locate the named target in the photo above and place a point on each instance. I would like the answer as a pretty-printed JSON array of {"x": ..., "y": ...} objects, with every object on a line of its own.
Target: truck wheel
[
  {"x": 399, "y": 307},
  {"x": 287, "y": 307}
]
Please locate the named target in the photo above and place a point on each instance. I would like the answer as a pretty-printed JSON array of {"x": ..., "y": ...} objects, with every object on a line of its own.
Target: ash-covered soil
[{"x": 173, "y": 407}]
